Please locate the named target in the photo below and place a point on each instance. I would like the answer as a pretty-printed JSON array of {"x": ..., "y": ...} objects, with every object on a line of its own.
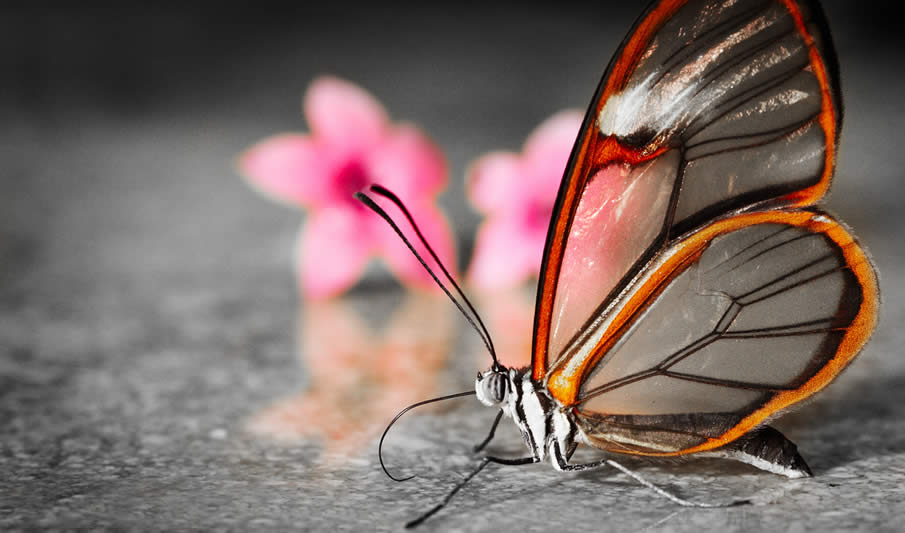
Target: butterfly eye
[
  {"x": 491, "y": 388},
  {"x": 497, "y": 387}
]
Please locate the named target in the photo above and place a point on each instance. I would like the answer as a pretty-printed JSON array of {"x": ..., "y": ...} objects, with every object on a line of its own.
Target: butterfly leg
[
  {"x": 489, "y": 438},
  {"x": 484, "y": 462},
  {"x": 562, "y": 463}
]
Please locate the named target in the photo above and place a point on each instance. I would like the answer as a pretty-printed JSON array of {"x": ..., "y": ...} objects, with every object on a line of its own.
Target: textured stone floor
[{"x": 157, "y": 370}]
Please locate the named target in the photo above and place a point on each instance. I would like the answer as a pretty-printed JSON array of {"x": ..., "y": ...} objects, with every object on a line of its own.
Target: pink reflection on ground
[{"x": 360, "y": 376}]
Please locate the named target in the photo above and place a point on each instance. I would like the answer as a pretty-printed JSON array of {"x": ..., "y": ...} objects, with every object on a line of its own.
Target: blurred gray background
[{"x": 148, "y": 307}]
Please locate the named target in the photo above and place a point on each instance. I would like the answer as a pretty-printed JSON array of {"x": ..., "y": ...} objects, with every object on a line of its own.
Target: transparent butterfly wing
[
  {"x": 709, "y": 108},
  {"x": 738, "y": 320}
]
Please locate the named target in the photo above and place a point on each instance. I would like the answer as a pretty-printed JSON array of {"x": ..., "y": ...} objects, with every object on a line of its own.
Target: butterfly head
[{"x": 492, "y": 386}]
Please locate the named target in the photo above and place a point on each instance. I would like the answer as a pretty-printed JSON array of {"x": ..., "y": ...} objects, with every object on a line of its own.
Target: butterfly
[{"x": 690, "y": 290}]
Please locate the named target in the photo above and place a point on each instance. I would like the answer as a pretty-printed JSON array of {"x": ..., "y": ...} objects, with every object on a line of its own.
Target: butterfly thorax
[{"x": 542, "y": 421}]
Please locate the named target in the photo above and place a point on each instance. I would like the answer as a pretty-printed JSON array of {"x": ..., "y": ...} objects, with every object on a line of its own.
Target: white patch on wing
[
  {"x": 650, "y": 107},
  {"x": 665, "y": 102},
  {"x": 621, "y": 114}
]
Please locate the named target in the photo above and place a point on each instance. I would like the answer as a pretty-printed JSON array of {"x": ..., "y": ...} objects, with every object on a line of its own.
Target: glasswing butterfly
[{"x": 689, "y": 289}]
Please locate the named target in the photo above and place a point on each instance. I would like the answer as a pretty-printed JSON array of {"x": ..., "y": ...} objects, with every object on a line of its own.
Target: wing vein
[
  {"x": 726, "y": 382},
  {"x": 706, "y": 39},
  {"x": 744, "y": 97}
]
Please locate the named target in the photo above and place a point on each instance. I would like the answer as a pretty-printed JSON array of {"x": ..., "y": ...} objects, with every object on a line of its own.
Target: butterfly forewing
[
  {"x": 709, "y": 108},
  {"x": 622, "y": 210},
  {"x": 740, "y": 319}
]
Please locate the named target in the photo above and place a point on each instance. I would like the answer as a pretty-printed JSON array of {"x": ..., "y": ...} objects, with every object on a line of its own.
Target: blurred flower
[
  {"x": 517, "y": 193},
  {"x": 352, "y": 144},
  {"x": 359, "y": 376},
  {"x": 509, "y": 315}
]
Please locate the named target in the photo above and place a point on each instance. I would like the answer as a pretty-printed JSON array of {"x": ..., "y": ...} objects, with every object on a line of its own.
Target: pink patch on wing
[{"x": 620, "y": 212}]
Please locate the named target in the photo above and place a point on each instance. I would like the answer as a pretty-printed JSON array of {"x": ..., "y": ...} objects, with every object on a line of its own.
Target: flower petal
[
  {"x": 518, "y": 192},
  {"x": 556, "y": 134},
  {"x": 333, "y": 249},
  {"x": 509, "y": 314},
  {"x": 289, "y": 168},
  {"x": 399, "y": 258},
  {"x": 494, "y": 182},
  {"x": 547, "y": 150},
  {"x": 408, "y": 163},
  {"x": 505, "y": 254},
  {"x": 344, "y": 115}
]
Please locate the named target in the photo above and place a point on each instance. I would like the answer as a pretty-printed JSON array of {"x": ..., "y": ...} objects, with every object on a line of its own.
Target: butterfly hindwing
[{"x": 738, "y": 320}]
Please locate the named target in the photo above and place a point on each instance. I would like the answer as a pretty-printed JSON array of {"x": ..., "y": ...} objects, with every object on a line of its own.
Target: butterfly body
[{"x": 545, "y": 425}]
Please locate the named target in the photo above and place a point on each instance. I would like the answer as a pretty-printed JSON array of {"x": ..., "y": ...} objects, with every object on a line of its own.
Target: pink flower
[
  {"x": 517, "y": 193},
  {"x": 509, "y": 315},
  {"x": 352, "y": 144}
]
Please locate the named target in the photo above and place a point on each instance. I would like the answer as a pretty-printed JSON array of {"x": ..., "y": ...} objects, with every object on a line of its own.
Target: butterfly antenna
[
  {"x": 473, "y": 317},
  {"x": 407, "y": 409}
]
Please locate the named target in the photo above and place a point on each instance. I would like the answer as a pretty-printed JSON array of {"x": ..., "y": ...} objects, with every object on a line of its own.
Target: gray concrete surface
[{"x": 157, "y": 371}]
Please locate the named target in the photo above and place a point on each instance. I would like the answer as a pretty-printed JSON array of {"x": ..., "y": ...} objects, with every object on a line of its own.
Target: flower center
[
  {"x": 352, "y": 177},
  {"x": 538, "y": 215}
]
